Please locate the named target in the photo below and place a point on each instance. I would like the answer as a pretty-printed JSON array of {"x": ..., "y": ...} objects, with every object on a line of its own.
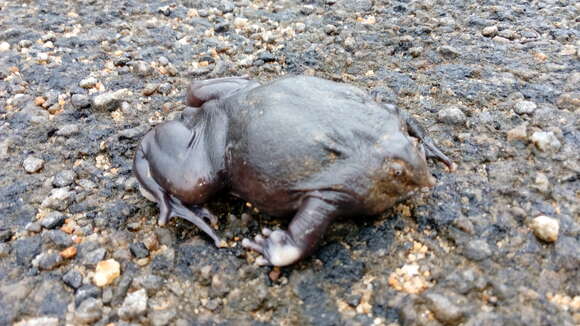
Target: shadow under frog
[{"x": 300, "y": 146}]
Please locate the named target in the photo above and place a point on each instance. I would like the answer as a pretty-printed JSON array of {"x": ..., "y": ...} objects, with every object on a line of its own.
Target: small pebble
[
  {"x": 110, "y": 100},
  {"x": 89, "y": 82},
  {"x": 135, "y": 305},
  {"x": 546, "y": 141},
  {"x": 47, "y": 261},
  {"x": 448, "y": 51},
  {"x": 163, "y": 61},
  {"x": 64, "y": 178},
  {"x": 86, "y": 291},
  {"x": 139, "y": 250},
  {"x": 518, "y": 133},
  {"x": 5, "y": 235},
  {"x": 33, "y": 227},
  {"x": 545, "y": 228},
  {"x": 24, "y": 44},
  {"x": 69, "y": 253},
  {"x": 38, "y": 321},
  {"x": 68, "y": 130},
  {"x": 489, "y": 31},
  {"x": 444, "y": 309},
  {"x": 32, "y": 164},
  {"x": 452, "y": 115},
  {"x": 73, "y": 278},
  {"x": 5, "y": 249},
  {"x": 53, "y": 220},
  {"x": 569, "y": 101},
  {"x": 477, "y": 250},
  {"x": 149, "y": 89},
  {"x": 80, "y": 101},
  {"x": 106, "y": 272},
  {"x": 90, "y": 311},
  {"x": 525, "y": 107},
  {"x": 59, "y": 238},
  {"x": 142, "y": 68},
  {"x": 4, "y": 46},
  {"x": 59, "y": 199}
]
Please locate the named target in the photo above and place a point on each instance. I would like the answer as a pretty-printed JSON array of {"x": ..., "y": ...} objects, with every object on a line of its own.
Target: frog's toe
[
  {"x": 278, "y": 249},
  {"x": 253, "y": 245},
  {"x": 266, "y": 232}
]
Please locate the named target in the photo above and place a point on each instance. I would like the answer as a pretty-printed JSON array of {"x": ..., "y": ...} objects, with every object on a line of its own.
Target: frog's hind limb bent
[{"x": 201, "y": 91}]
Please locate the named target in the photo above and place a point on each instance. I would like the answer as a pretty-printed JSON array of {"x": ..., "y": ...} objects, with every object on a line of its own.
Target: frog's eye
[{"x": 397, "y": 170}]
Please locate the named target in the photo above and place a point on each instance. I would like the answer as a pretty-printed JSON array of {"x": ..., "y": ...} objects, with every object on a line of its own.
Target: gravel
[
  {"x": 53, "y": 220},
  {"x": 545, "y": 228},
  {"x": 73, "y": 278},
  {"x": 496, "y": 85},
  {"x": 135, "y": 305},
  {"x": 33, "y": 164}
]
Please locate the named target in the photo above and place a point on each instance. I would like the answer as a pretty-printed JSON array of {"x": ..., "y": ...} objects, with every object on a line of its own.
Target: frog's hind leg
[
  {"x": 201, "y": 91},
  {"x": 431, "y": 150}
]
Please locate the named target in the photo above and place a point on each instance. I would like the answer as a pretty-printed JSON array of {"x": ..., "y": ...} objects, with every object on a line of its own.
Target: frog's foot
[
  {"x": 433, "y": 152},
  {"x": 277, "y": 248},
  {"x": 172, "y": 207}
]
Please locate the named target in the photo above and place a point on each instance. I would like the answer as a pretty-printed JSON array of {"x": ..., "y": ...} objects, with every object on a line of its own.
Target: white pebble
[
  {"x": 4, "y": 46},
  {"x": 546, "y": 141},
  {"x": 546, "y": 228},
  {"x": 89, "y": 82},
  {"x": 32, "y": 164},
  {"x": 525, "y": 107}
]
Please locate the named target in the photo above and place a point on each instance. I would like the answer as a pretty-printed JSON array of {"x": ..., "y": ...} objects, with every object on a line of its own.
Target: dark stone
[
  {"x": 53, "y": 298},
  {"x": 477, "y": 250},
  {"x": 73, "y": 279},
  {"x": 93, "y": 257},
  {"x": 139, "y": 250},
  {"x": 86, "y": 291},
  {"x": 49, "y": 261},
  {"x": 120, "y": 291},
  {"x": 53, "y": 220},
  {"x": 5, "y": 235},
  {"x": 267, "y": 56},
  {"x": 222, "y": 27},
  {"x": 26, "y": 249},
  {"x": 80, "y": 101},
  {"x": 64, "y": 178},
  {"x": 60, "y": 239}
]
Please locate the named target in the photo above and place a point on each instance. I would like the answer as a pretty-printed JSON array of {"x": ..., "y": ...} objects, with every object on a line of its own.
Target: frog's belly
[{"x": 271, "y": 197}]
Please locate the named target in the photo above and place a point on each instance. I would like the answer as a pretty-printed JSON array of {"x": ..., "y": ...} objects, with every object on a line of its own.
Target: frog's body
[{"x": 301, "y": 145}]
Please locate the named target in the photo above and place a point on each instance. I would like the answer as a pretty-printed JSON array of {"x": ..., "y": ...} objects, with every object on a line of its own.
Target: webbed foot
[{"x": 276, "y": 248}]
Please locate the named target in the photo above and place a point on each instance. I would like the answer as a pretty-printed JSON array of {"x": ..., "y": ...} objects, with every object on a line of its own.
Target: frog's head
[
  {"x": 403, "y": 170},
  {"x": 406, "y": 166}
]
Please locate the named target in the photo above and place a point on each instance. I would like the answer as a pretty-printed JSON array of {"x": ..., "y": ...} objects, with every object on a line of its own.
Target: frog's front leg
[
  {"x": 431, "y": 150},
  {"x": 282, "y": 248},
  {"x": 169, "y": 206}
]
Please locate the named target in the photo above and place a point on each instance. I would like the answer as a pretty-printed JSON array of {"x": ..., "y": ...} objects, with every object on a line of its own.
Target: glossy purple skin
[{"x": 303, "y": 147}]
